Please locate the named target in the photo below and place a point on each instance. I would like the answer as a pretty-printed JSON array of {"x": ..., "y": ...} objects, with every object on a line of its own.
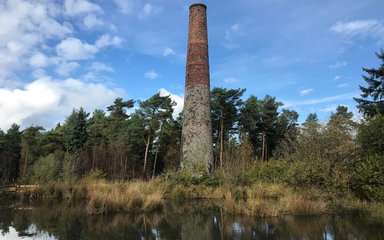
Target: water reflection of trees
[{"x": 199, "y": 220}]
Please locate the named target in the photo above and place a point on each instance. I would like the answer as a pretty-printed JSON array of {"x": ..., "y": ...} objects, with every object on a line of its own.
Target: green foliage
[
  {"x": 237, "y": 159},
  {"x": 314, "y": 157},
  {"x": 46, "y": 169},
  {"x": 250, "y": 115},
  {"x": 324, "y": 157},
  {"x": 96, "y": 128},
  {"x": 371, "y": 135},
  {"x": 169, "y": 145},
  {"x": 372, "y": 97},
  {"x": 154, "y": 113},
  {"x": 187, "y": 178},
  {"x": 225, "y": 105},
  {"x": 304, "y": 174},
  {"x": 10, "y": 147},
  {"x": 94, "y": 175},
  {"x": 69, "y": 169},
  {"x": 260, "y": 121},
  {"x": 118, "y": 109},
  {"x": 31, "y": 150},
  {"x": 272, "y": 171},
  {"x": 368, "y": 180},
  {"x": 287, "y": 133},
  {"x": 341, "y": 118},
  {"x": 75, "y": 131}
]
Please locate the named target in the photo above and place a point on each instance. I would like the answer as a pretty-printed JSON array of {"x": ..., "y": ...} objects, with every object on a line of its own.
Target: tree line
[
  {"x": 141, "y": 139},
  {"x": 126, "y": 144}
]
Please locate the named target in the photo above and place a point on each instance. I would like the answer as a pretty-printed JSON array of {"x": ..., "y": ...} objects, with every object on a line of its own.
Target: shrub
[
  {"x": 94, "y": 175},
  {"x": 273, "y": 171},
  {"x": 370, "y": 135},
  {"x": 308, "y": 173},
  {"x": 187, "y": 178},
  {"x": 368, "y": 181},
  {"x": 46, "y": 169},
  {"x": 69, "y": 169}
]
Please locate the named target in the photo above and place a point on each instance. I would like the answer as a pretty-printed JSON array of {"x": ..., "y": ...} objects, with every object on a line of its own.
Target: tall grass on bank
[
  {"x": 258, "y": 199},
  {"x": 104, "y": 197},
  {"x": 270, "y": 200}
]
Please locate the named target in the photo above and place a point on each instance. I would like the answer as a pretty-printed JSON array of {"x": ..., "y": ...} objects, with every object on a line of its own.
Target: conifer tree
[{"x": 371, "y": 102}]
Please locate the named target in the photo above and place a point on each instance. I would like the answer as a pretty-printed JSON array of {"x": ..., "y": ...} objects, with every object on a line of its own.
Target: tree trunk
[
  {"x": 115, "y": 165},
  {"x": 266, "y": 148},
  {"x": 263, "y": 148},
  {"x": 154, "y": 162},
  {"x": 264, "y": 151},
  {"x": 221, "y": 140},
  {"x": 146, "y": 153},
  {"x": 93, "y": 156},
  {"x": 25, "y": 164},
  {"x": 125, "y": 166},
  {"x": 121, "y": 167},
  {"x": 157, "y": 150}
]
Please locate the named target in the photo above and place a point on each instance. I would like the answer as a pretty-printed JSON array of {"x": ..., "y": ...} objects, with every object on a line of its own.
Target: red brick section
[{"x": 197, "y": 71}]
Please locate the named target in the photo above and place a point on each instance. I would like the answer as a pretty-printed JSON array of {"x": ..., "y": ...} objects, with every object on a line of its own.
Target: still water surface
[{"x": 192, "y": 220}]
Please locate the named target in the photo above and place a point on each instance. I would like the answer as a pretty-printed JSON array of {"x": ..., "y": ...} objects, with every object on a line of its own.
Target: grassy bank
[{"x": 258, "y": 200}]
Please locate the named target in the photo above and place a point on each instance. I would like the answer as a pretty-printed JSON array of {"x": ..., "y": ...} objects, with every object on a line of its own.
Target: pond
[{"x": 188, "y": 220}]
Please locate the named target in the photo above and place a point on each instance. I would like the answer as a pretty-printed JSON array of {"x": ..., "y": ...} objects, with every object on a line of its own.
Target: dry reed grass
[
  {"x": 269, "y": 200},
  {"x": 260, "y": 199},
  {"x": 104, "y": 197}
]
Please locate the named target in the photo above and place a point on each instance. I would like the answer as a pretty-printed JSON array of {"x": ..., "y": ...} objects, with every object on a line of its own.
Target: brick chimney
[{"x": 197, "y": 154}]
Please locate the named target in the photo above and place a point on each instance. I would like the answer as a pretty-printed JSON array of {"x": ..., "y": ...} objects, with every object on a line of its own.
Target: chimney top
[{"x": 198, "y": 5}]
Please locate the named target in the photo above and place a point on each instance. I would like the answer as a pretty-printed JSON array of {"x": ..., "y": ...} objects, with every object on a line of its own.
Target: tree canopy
[{"x": 372, "y": 96}]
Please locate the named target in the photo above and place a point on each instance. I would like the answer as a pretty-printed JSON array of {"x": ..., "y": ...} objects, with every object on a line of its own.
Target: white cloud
[
  {"x": 66, "y": 68},
  {"x": 152, "y": 75},
  {"x": 19, "y": 104},
  {"x": 315, "y": 101},
  {"x": 359, "y": 27},
  {"x": 25, "y": 27},
  {"x": 75, "y": 49},
  {"x": 91, "y": 21},
  {"x": 47, "y": 98},
  {"x": 31, "y": 18},
  {"x": 273, "y": 60},
  {"x": 231, "y": 80},
  {"x": 106, "y": 40},
  {"x": 38, "y": 60},
  {"x": 306, "y": 91},
  {"x": 337, "y": 77},
  {"x": 342, "y": 85},
  {"x": 168, "y": 52},
  {"x": 10, "y": 83},
  {"x": 179, "y": 100},
  {"x": 329, "y": 109},
  {"x": 77, "y": 7},
  {"x": 39, "y": 73},
  {"x": 125, "y": 6},
  {"x": 98, "y": 67},
  {"x": 234, "y": 30},
  {"x": 147, "y": 9},
  {"x": 338, "y": 65}
]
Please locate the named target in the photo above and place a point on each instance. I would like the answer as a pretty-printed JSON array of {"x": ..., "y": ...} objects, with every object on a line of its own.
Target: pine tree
[
  {"x": 154, "y": 112},
  {"x": 371, "y": 102},
  {"x": 75, "y": 130},
  {"x": 225, "y": 106}
]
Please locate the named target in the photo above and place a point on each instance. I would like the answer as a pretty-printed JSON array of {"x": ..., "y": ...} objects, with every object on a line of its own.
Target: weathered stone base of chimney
[{"x": 197, "y": 155}]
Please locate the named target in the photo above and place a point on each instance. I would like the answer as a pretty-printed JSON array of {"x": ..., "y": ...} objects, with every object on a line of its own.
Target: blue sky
[{"x": 57, "y": 55}]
